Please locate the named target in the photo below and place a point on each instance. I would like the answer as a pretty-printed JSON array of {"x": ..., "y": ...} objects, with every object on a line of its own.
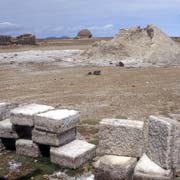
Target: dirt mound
[
  {"x": 134, "y": 47},
  {"x": 84, "y": 33}
]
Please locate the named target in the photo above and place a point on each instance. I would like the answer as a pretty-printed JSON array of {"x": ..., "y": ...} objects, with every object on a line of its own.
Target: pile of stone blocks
[
  {"x": 34, "y": 126},
  {"x": 124, "y": 157}
]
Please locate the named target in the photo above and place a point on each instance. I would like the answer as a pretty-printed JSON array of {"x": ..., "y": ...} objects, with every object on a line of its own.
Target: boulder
[{"x": 84, "y": 33}]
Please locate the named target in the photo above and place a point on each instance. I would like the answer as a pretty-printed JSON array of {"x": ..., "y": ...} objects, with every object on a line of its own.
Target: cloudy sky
[{"x": 103, "y": 17}]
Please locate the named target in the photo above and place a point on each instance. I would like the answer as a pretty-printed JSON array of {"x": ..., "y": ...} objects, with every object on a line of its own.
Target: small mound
[
  {"x": 84, "y": 33},
  {"x": 134, "y": 47}
]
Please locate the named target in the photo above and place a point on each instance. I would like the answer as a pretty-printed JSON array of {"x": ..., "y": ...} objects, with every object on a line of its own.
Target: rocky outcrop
[{"x": 84, "y": 33}]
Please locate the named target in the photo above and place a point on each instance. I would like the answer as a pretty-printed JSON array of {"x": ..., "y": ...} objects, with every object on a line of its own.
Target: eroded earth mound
[{"x": 134, "y": 47}]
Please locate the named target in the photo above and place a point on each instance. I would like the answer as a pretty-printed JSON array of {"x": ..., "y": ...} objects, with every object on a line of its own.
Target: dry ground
[
  {"x": 118, "y": 92},
  {"x": 133, "y": 93}
]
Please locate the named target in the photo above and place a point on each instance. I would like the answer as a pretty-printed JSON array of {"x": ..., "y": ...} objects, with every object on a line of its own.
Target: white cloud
[{"x": 8, "y": 27}]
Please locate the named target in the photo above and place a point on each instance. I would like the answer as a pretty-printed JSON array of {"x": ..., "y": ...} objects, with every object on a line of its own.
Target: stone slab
[
  {"x": 7, "y": 129},
  {"x": 148, "y": 170},
  {"x": 163, "y": 141},
  {"x": 57, "y": 121},
  {"x": 27, "y": 148},
  {"x": 53, "y": 139},
  {"x": 73, "y": 155},
  {"x": 24, "y": 115},
  {"x": 111, "y": 167},
  {"x": 121, "y": 137}
]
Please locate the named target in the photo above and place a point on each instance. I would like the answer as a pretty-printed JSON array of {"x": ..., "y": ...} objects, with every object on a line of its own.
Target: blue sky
[{"x": 103, "y": 17}]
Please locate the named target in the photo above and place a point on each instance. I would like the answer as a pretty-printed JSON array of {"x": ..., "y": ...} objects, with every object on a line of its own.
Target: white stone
[
  {"x": 163, "y": 141},
  {"x": 53, "y": 139},
  {"x": 57, "y": 121},
  {"x": 3, "y": 110},
  {"x": 27, "y": 148},
  {"x": 73, "y": 155},
  {"x": 111, "y": 167},
  {"x": 147, "y": 169},
  {"x": 7, "y": 130},
  {"x": 121, "y": 137},
  {"x": 24, "y": 115}
]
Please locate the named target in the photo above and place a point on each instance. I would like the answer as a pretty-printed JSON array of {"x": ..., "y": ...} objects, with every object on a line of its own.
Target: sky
[{"x": 56, "y": 18}]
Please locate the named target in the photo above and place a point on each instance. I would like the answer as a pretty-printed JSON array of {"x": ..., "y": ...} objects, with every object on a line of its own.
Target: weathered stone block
[
  {"x": 4, "y": 107},
  {"x": 121, "y": 137},
  {"x": 7, "y": 129},
  {"x": 53, "y": 139},
  {"x": 111, "y": 167},
  {"x": 73, "y": 155},
  {"x": 148, "y": 170},
  {"x": 163, "y": 141},
  {"x": 27, "y": 148},
  {"x": 24, "y": 115},
  {"x": 57, "y": 121}
]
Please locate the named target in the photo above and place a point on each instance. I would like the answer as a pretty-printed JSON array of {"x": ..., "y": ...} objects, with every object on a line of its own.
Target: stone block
[
  {"x": 163, "y": 141},
  {"x": 53, "y": 139},
  {"x": 121, "y": 137},
  {"x": 7, "y": 129},
  {"x": 24, "y": 115},
  {"x": 27, "y": 148},
  {"x": 73, "y": 155},
  {"x": 57, "y": 121},
  {"x": 4, "y": 108},
  {"x": 148, "y": 170},
  {"x": 111, "y": 167}
]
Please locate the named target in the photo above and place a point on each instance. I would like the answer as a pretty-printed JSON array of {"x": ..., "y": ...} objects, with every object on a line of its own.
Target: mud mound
[{"x": 134, "y": 47}]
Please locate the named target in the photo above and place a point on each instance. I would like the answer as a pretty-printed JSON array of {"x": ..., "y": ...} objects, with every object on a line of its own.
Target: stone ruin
[
  {"x": 5, "y": 40},
  {"x": 125, "y": 156},
  {"x": 24, "y": 39},
  {"x": 38, "y": 130},
  {"x": 134, "y": 47},
  {"x": 128, "y": 149}
]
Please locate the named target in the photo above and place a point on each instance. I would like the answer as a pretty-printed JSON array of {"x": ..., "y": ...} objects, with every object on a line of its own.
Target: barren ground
[{"x": 118, "y": 92}]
